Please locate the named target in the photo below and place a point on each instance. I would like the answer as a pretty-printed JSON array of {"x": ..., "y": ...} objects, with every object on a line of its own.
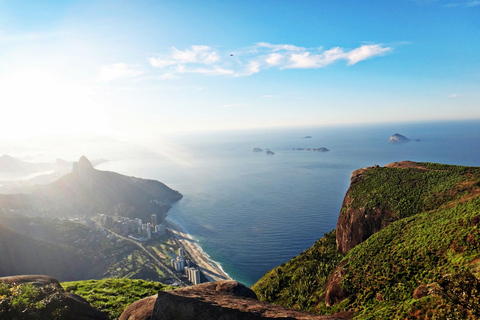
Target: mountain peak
[{"x": 83, "y": 165}]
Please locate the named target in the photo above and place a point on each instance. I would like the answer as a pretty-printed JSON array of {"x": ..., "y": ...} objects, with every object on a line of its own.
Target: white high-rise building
[
  {"x": 178, "y": 264},
  {"x": 193, "y": 275}
]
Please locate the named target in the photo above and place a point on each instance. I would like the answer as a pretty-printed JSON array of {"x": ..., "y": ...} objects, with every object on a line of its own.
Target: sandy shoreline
[{"x": 211, "y": 270}]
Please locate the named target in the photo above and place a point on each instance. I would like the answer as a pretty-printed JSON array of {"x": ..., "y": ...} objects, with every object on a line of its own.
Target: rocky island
[
  {"x": 321, "y": 149},
  {"x": 398, "y": 138}
]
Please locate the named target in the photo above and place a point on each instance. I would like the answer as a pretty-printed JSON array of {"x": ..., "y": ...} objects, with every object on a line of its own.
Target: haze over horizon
[{"x": 146, "y": 68}]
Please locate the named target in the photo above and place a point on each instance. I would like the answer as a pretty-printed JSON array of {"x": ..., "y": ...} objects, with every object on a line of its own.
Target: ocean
[{"x": 251, "y": 212}]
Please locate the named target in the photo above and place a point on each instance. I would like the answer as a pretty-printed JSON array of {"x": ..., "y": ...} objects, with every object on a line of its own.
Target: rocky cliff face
[{"x": 355, "y": 224}]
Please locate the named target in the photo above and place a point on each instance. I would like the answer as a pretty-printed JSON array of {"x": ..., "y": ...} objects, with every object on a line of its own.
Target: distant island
[
  {"x": 307, "y": 137},
  {"x": 269, "y": 152},
  {"x": 257, "y": 150},
  {"x": 398, "y": 138},
  {"x": 322, "y": 149}
]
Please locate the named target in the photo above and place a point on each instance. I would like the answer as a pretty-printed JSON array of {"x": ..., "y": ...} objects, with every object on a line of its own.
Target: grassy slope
[
  {"x": 114, "y": 295},
  {"x": 434, "y": 239}
]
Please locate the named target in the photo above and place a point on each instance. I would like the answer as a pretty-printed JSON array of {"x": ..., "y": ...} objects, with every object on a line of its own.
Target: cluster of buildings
[
  {"x": 181, "y": 264},
  {"x": 134, "y": 228}
]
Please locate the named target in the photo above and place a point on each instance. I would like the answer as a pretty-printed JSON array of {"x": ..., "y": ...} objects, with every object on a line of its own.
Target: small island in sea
[
  {"x": 321, "y": 149},
  {"x": 307, "y": 137},
  {"x": 257, "y": 150},
  {"x": 398, "y": 138}
]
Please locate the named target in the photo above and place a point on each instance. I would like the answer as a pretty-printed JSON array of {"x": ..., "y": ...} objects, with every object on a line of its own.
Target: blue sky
[{"x": 147, "y": 68}]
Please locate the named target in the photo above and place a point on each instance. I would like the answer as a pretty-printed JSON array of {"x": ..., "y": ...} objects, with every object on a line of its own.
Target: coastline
[{"x": 210, "y": 269}]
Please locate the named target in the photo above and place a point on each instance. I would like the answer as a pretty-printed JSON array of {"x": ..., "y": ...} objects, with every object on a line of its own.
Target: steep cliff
[
  {"x": 377, "y": 196},
  {"x": 408, "y": 241}
]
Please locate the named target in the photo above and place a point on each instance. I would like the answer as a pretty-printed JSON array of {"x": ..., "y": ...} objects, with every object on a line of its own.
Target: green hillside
[
  {"x": 435, "y": 243},
  {"x": 112, "y": 296}
]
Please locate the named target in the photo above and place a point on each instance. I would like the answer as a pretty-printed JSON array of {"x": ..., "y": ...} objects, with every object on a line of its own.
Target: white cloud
[
  {"x": 366, "y": 52},
  {"x": 279, "y": 47},
  {"x": 453, "y": 95},
  {"x": 274, "y": 59},
  {"x": 200, "y": 59},
  {"x": 198, "y": 54},
  {"x": 207, "y": 71},
  {"x": 160, "y": 63},
  {"x": 118, "y": 70}
]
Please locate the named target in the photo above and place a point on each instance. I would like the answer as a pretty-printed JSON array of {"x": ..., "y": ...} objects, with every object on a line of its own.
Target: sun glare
[{"x": 36, "y": 103}]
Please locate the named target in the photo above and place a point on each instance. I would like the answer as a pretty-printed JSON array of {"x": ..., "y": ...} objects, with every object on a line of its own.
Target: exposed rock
[
  {"x": 223, "y": 300},
  {"x": 334, "y": 293},
  {"x": 36, "y": 280},
  {"x": 355, "y": 225},
  {"x": 139, "y": 310},
  {"x": 398, "y": 138},
  {"x": 74, "y": 307},
  {"x": 420, "y": 292},
  {"x": 475, "y": 221}
]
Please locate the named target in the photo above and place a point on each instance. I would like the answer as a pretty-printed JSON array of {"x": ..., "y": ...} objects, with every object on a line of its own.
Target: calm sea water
[{"x": 251, "y": 212}]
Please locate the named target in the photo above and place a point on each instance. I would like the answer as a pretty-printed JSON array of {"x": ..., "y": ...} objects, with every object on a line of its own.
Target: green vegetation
[
  {"x": 435, "y": 243},
  {"x": 298, "y": 284},
  {"x": 410, "y": 191},
  {"x": 25, "y": 302},
  {"x": 417, "y": 250},
  {"x": 113, "y": 295}
]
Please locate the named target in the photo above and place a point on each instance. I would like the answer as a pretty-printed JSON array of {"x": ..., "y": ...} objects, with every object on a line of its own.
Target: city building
[{"x": 193, "y": 275}]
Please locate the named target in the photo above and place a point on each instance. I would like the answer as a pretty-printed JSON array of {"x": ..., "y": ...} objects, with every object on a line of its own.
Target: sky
[{"x": 142, "y": 69}]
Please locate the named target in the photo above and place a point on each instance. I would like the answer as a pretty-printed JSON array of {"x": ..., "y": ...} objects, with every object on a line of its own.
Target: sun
[{"x": 37, "y": 103}]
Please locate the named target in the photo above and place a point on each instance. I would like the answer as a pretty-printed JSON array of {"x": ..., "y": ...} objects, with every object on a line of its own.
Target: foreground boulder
[
  {"x": 57, "y": 303},
  {"x": 225, "y": 300}
]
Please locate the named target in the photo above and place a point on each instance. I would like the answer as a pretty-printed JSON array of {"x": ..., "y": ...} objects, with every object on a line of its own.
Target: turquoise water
[{"x": 251, "y": 212}]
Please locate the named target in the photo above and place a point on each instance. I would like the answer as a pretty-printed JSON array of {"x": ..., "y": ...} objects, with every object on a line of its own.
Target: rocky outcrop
[
  {"x": 257, "y": 150},
  {"x": 355, "y": 225},
  {"x": 139, "y": 310},
  {"x": 334, "y": 293},
  {"x": 225, "y": 300},
  {"x": 398, "y": 138},
  {"x": 71, "y": 305}
]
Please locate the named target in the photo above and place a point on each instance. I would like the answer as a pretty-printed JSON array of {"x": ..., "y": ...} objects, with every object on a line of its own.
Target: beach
[{"x": 210, "y": 269}]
